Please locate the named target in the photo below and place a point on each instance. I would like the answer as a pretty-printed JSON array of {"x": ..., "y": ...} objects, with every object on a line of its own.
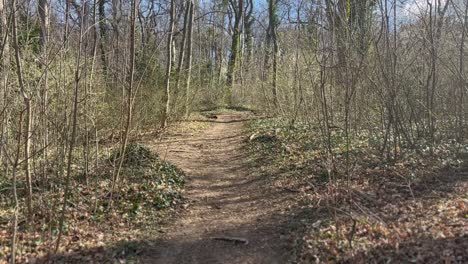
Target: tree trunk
[
  {"x": 15, "y": 164},
  {"x": 220, "y": 48},
  {"x": 131, "y": 76},
  {"x": 4, "y": 62},
  {"x": 167, "y": 97},
  {"x": 27, "y": 104},
  {"x": 183, "y": 45},
  {"x": 4, "y": 51},
  {"x": 103, "y": 34},
  {"x": 436, "y": 20},
  {"x": 43, "y": 10},
  {"x": 272, "y": 39},
  {"x": 235, "y": 47},
  {"x": 189, "y": 60},
  {"x": 461, "y": 81},
  {"x": 249, "y": 30},
  {"x": 72, "y": 139}
]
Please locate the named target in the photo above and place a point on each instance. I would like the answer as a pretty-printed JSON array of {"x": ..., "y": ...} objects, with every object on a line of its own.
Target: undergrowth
[
  {"x": 226, "y": 109},
  {"x": 149, "y": 189},
  {"x": 378, "y": 209}
]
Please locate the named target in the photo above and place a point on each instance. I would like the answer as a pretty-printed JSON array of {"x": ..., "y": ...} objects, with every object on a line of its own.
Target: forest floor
[
  {"x": 257, "y": 190},
  {"x": 410, "y": 210},
  {"x": 232, "y": 213}
]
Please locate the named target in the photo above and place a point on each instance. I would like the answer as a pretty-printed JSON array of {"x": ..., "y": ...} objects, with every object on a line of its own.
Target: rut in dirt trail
[{"x": 227, "y": 198}]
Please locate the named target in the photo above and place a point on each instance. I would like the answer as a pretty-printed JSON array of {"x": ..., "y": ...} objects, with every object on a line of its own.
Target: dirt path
[{"x": 227, "y": 198}]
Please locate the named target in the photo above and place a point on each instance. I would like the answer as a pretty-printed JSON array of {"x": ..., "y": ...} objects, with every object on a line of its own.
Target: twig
[{"x": 289, "y": 190}]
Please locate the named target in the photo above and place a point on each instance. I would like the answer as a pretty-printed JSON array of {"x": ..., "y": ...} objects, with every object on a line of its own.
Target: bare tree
[
  {"x": 72, "y": 140},
  {"x": 238, "y": 9},
  {"x": 462, "y": 83},
  {"x": 169, "y": 52},
  {"x": 43, "y": 10},
  {"x": 131, "y": 76},
  {"x": 182, "y": 49},
  {"x": 4, "y": 54},
  {"x": 272, "y": 40},
  {"x": 27, "y": 105},
  {"x": 189, "y": 59},
  {"x": 103, "y": 34},
  {"x": 434, "y": 31}
]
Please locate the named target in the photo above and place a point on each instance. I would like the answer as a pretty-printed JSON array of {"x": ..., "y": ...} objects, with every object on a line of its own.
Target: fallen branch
[
  {"x": 233, "y": 239},
  {"x": 289, "y": 190}
]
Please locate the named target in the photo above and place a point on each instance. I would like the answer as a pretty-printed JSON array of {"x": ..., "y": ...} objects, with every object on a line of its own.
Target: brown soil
[{"x": 227, "y": 197}]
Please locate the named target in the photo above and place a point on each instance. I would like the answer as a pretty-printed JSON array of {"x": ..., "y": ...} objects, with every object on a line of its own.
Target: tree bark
[
  {"x": 189, "y": 60},
  {"x": 183, "y": 44},
  {"x": 273, "y": 26},
  {"x": 103, "y": 34},
  {"x": 167, "y": 97},
  {"x": 44, "y": 15},
  {"x": 238, "y": 8},
  {"x": 249, "y": 30},
  {"x": 461, "y": 81},
  {"x": 4, "y": 62}
]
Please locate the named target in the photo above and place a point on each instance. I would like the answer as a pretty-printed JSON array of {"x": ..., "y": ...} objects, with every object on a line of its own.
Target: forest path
[{"x": 227, "y": 198}]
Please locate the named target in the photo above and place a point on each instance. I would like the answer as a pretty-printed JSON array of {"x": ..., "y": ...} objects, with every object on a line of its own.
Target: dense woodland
[{"x": 82, "y": 80}]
